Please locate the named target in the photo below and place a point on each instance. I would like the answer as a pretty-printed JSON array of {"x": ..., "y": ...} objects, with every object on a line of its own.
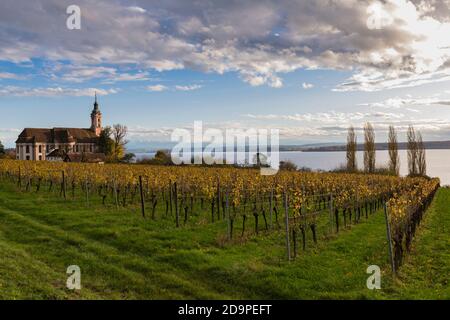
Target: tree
[
  {"x": 421, "y": 157},
  {"x": 394, "y": 160},
  {"x": 163, "y": 157},
  {"x": 2, "y": 149},
  {"x": 106, "y": 144},
  {"x": 369, "y": 148},
  {"x": 287, "y": 166},
  {"x": 351, "y": 150},
  {"x": 119, "y": 133},
  {"x": 128, "y": 157},
  {"x": 412, "y": 151}
]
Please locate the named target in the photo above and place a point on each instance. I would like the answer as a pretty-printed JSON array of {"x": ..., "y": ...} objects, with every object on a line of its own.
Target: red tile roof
[{"x": 57, "y": 135}]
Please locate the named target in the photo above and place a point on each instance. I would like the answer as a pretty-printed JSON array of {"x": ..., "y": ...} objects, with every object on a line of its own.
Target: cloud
[
  {"x": 407, "y": 103},
  {"x": 53, "y": 92},
  {"x": 188, "y": 88},
  {"x": 141, "y": 76},
  {"x": 160, "y": 87},
  {"x": 157, "y": 88},
  {"x": 137, "y": 9},
  {"x": 83, "y": 73},
  {"x": 307, "y": 86},
  {"x": 231, "y": 36},
  {"x": 7, "y": 75},
  {"x": 329, "y": 117},
  {"x": 333, "y": 125}
]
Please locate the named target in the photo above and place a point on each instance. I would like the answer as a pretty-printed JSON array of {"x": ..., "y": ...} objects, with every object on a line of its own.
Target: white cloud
[
  {"x": 413, "y": 49},
  {"x": 331, "y": 117},
  {"x": 334, "y": 124},
  {"x": 188, "y": 88},
  {"x": 408, "y": 102},
  {"x": 141, "y": 76},
  {"x": 82, "y": 73},
  {"x": 160, "y": 87},
  {"x": 137, "y": 9},
  {"x": 307, "y": 86},
  {"x": 53, "y": 92},
  {"x": 157, "y": 88},
  {"x": 7, "y": 75}
]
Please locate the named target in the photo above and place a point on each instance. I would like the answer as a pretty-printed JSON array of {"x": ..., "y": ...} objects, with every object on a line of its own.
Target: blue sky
[{"x": 297, "y": 66}]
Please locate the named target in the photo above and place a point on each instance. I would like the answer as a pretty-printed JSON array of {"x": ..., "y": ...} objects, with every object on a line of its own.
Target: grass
[
  {"x": 123, "y": 256},
  {"x": 426, "y": 273}
]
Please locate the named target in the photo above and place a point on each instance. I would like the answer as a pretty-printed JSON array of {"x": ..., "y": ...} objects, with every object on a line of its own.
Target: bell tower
[{"x": 96, "y": 118}]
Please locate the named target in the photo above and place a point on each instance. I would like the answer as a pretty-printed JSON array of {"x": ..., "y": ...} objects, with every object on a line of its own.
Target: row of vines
[{"x": 308, "y": 205}]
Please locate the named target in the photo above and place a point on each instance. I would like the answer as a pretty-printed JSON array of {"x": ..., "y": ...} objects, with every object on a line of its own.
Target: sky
[{"x": 307, "y": 68}]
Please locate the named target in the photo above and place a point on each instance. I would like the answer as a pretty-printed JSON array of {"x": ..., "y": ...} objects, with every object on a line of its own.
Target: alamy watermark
[
  {"x": 74, "y": 279},
  {"x": 249, "y": 147},
  {"x": 374, "y": 280},
  {"x": 73, "y": 22}
]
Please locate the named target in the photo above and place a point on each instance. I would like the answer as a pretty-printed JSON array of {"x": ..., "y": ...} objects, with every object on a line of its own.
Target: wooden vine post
[
  {"x": 389, "y": 238},
  {"x": 177, "y": 213},
  {"x": 331, "y": 213},
  {"x": 271, "y": 208},
  {"x": 116, "y": 197},
  {"x": 20, "y": 179},
  {"x": 218, "y": 198},
  {"x": 64, "y": 184},
  {"x": 170, "y": 197},
  {"x": 87, "y": 191},
  {"x": 142, "y": 197},
  {"x": 227, "y": 209},
  {"x": 286, "y": 220}
]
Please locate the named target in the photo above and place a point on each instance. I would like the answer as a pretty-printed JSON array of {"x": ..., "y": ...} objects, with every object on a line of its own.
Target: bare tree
[
  {"x": 394, "y": 160},
  {"x": 369, "y": 148},
  {"x": 412, "y": 151},
  {"x": 421, "y": 157},
  {"x": 351, "y": 150},
  {"x": 119, "y": 133}
]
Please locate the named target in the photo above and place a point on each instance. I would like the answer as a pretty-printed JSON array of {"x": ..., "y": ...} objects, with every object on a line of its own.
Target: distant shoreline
[{"x": 430, "y": 145}]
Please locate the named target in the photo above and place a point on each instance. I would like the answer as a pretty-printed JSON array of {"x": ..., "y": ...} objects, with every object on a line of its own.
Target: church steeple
[
  {"x": 95, "y": 103},
  {"x": 96, "y": 118}
]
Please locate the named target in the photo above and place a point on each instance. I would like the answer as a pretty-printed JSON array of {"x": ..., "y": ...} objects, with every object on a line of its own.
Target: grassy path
[
  {"x": 122, "y": 255},
  {"x": 426, "y": 273}
]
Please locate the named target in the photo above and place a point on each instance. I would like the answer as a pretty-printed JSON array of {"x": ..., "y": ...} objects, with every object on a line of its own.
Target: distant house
[
  {"x": 39, "y": 144},
  {"x": 85, "y": 157}
]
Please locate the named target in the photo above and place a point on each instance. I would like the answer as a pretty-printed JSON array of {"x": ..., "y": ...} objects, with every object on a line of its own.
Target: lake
[{"x": 438, "y": 161}]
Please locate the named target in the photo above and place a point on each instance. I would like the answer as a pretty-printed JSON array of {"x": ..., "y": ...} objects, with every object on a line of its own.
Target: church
[{"x": 55, "y": 144}]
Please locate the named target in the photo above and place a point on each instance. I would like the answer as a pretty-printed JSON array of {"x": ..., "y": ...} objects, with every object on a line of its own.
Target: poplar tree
[
  {"x": 369, "y": 148},
  {"x": 421, "y": 157},
  {"x": 351, "y": 150},
  {"x": 412, "y": 151},
  {"x": 394, "y": 160}
]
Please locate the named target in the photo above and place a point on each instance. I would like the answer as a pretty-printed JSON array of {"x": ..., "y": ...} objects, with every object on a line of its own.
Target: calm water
[{"x": 438, "y": 161}]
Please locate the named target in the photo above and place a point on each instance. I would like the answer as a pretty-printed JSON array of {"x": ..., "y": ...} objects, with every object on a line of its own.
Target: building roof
[
  {"x": 85, "y": 157},
  {"x": 57, "y": 153},
  {"x": 57, "y": 135}
]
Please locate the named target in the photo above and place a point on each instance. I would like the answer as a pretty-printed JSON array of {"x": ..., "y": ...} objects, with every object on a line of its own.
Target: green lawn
[{"x": 123, "y": 256}]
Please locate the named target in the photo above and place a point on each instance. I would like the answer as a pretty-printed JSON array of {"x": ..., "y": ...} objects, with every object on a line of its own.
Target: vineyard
[{"x": 305, "y": 207}]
